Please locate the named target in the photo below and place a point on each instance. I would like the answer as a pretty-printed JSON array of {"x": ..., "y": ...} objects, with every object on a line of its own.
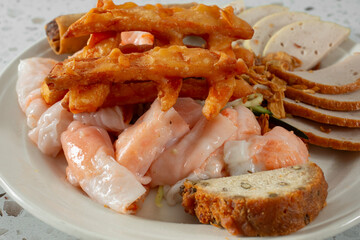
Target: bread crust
[{"x": 271, "y": 216}]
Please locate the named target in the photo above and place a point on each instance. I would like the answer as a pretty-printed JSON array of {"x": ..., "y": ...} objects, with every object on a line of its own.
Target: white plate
[{"x": 38, "y": 184}]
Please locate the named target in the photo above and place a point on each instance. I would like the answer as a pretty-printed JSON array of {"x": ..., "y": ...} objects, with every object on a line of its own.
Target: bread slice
[
  {"x": 254, "y": 14},
  {"x": 338, "y": 102},
  {"x": 308, "y": 40},
  {"x": 339, "y": 118},
  {"x": 270, "y": 203},
  {"x": 341, "y": 77},
  {"x": 266, "y": 27},
  {"x": 341, "y": 138}
]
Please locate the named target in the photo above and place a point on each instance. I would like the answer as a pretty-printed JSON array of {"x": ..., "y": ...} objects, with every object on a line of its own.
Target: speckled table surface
[{"x": 22, "y": 24}]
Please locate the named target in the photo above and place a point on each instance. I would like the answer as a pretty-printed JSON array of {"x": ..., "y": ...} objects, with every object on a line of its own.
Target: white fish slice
[
  {"x": 339, "y": 118},
  {"x": 266, "y": 27},
  {"x": 253, "y": 15},
  {"x": 340, "y": 138},
  {"x": 309, "y": 40},
  {"x": 338, "y": 78},
  {"x": 338, "y": 102}
]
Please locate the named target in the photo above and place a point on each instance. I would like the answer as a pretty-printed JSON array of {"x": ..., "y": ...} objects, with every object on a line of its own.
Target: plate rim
[{"x": 349, "y": 220}]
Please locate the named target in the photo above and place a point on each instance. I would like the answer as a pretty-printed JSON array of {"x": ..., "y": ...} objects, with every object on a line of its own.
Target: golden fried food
[
  {"x": 51, "y": 96},
  {"x": 82, "y": 99},
  {"x": 170, "y": 24},
  {"x": 165, "y": 66},
  {"x": 55, "y": 31},
  {"x": 92, "y": 96}
]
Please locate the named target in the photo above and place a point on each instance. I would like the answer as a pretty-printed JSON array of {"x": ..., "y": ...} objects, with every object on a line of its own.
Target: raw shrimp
[
  {"x": 137, "y": 38},
  {"x": 46, "y": 135},
  {"x": 276, "y": 149},
  {"x": 35, "y": 106},
  {"x": 113, "y": 119},
  {"x": 139, "y": 145},
  {"x": 214, "y": 165},
  {"x": 211, "y": 168},
  {"x": 189, "y": 110},
  {"x": 179, "y": 160},
  {"x": 31, "y": 73},
  {"x": 90, "y": 155}
]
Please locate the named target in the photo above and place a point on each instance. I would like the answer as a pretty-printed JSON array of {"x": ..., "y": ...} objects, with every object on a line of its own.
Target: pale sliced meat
[
  {"x": 179, "y": 160},
  {"x": 266, "y": 27},
  {"x": 339, "y": 102},
  {"x": 339, "y": 118},
  {"x": 341, "y": 77},
  {"x": 341, "y": 138},
  {"x": 309, "y": 41},
  {"x": 254, "y": 14},
  {"x": 139, "y": 145},
  {"x": 238, "y": 6}
]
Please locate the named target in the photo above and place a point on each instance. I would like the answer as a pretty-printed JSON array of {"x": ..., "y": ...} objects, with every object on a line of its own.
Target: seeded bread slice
[{"x": 270, "y": 203}]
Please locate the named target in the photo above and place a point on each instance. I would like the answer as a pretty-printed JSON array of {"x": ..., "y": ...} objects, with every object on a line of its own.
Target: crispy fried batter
[
  {"x": 159, "y": 64},
  {"x": 143, "y": 92},
  {"x": 92, "y": 96},
  {"x": 171, "y": 24}
]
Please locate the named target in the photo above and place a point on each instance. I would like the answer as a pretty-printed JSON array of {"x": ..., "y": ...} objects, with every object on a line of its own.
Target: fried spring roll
[
  {"x": 55, "y": 31},
  {"x": 165, "y": 23}
]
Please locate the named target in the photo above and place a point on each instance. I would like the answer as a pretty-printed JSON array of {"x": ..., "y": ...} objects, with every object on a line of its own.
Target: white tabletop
[{"x": 22, "y": 24}]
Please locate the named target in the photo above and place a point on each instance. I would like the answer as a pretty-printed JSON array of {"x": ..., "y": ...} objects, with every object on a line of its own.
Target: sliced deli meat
[
  {"x": 339, "y": 118},
  {"x": 237, "y": 5},
  {"x": 341, "y": 138},
  {"x": 266, "y": 27},
  {"x": 308, "y": 40},
  {"x": 341, "y": 77},
  {"x": 339, "y": 102},
  {"x": 254, "y": 14}
]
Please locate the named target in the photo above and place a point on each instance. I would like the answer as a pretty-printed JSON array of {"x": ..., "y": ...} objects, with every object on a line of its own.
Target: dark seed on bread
[{"x": 278, "y": 202}]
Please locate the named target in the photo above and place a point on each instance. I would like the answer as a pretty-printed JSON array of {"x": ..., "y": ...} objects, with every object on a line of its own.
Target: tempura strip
[
  {"x": 141, "y": 92},
  {"x": 173, "y": 62},
  {"x": 167, "y": 23},
  {"x": 156, "y": 65}
]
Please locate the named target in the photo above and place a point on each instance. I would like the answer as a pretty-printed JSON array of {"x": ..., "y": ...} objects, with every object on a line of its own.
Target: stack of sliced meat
[
  {"x": 329, "y": 98},
  {"x": 323, "y": 92}
]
